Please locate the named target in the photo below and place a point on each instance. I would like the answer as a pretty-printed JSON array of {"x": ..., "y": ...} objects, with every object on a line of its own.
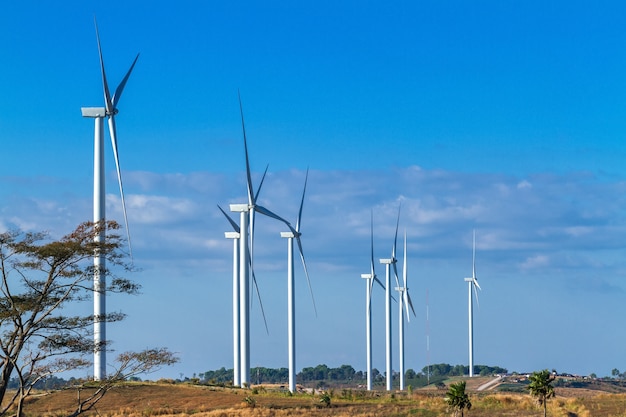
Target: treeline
[
  {"x": 444, "y": 369},
  {"x": 343, "y": 374},
  {"x": 258, "y": 375},
  {"x": 262, "y": 375},
  {"x": 49, "y": 383}
]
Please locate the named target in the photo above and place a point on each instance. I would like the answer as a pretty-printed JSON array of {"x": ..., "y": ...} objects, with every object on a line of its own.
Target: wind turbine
[
  {"x": 472, "y": 283},
  {"x": 99, "y": 203},
  {"x": 404, "y": 302},
  {"x": 246, "y": 259},
  {"x": 235, "y": 235},
  {"x": 370, "y": 278},
  {"x": 291, "y": 307},
  {"x": 388, "y": 262}
]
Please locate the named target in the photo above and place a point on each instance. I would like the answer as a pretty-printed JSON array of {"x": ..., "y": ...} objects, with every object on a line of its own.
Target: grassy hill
[{"x": 152, "y": 399}]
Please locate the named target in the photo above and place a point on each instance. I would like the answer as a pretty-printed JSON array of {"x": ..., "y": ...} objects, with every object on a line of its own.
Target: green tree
[
  {"x": 347, "y": 372},
  {"x": 615, "y": 373},
  {"x": 457, "y": 398},
  {"x": 438, "y": 369},
  {"x": 321, "y": 372},
  {"x": 38, "y": 279},
  {"x": 541, "y": 388}
]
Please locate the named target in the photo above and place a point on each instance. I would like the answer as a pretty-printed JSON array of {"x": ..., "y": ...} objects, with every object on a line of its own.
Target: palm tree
[
  {"x": 457, "y": 398},
  {"x": 541, "y": 387}
]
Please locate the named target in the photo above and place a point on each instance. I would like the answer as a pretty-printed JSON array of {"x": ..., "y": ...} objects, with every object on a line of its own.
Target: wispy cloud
[
  {"x": 565, "y": 232},
  {"x": 516, "y": 222}
]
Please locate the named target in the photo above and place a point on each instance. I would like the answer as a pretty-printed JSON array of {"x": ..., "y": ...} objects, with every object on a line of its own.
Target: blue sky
[{"x": 507, "y": 118}]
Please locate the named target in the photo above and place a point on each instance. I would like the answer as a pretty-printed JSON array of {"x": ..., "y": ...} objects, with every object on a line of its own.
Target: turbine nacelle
[
  {"x": 474, "y": 282},
  {"x": 93, "y": 112},
  {"x": 239, "y": 208}
]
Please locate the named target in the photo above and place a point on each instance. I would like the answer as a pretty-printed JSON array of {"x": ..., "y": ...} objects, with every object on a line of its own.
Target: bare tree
[
  {"x": 40, "y": 278},
  {"x": 129, "y": 364}
]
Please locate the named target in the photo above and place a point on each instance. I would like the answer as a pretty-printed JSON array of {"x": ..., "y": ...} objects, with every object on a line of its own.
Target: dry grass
[{"x": 144, "y": 400}]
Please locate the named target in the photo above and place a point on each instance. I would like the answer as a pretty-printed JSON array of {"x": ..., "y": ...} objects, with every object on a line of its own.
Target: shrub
[
  {"x": 325, "y": 399},
  {"x": 250, "y": 401}
]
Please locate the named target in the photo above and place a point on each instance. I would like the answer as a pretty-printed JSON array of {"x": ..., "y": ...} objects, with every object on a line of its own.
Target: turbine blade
[
  {"x": 476, "y": 294},
  {"x": 251, "y": 196},
  {"x": 120, "y": 88},
  {"x": 258, "y": 190},
  {"x": 306, "y": 272},
  {"x": 251, "y": 237},
  {"x": 476, "y": 284},
  {"x": 112, "y": 133},
  {"x": 393, "y": 250},
  {"x": 268, "y": 213},
  {"x": 405, "y": 297},
  {"x": 395, "y": 239},
  {"x": 230, "y": 220},
  {"x": 258, "y": 293},
  {"x": 306, "y": 178},
  {"x": 256, "y": 286},
  {"x": 410, "y": 303},
  {"x": 107, "y": 96},
  {"x": 379, "y": 282},
  {"x": 395, "y": 271}
]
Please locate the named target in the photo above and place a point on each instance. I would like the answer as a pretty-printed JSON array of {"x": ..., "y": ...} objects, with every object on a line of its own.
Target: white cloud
[
  {"x": 153, "y": 209},
  {"x": 535, "y": 262},
  {"x": 577, "y": 231}
]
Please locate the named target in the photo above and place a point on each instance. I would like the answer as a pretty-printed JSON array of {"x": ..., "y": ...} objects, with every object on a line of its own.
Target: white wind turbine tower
[
  {"x": 388, "y": 262},
  {"x": 246, "y": 260},
  {"x": 404, "y": 302},
  {"x": 235, "y": 235},
  {"x": 99, "y": 203},
  {"x": 370, "y": 278},
  {"x": 472, "y": 283},
  {"x": 291, "y": 306}
]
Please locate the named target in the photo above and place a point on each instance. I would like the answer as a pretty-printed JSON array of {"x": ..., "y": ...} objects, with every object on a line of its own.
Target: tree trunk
[{"x": 5, "y": 377}]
